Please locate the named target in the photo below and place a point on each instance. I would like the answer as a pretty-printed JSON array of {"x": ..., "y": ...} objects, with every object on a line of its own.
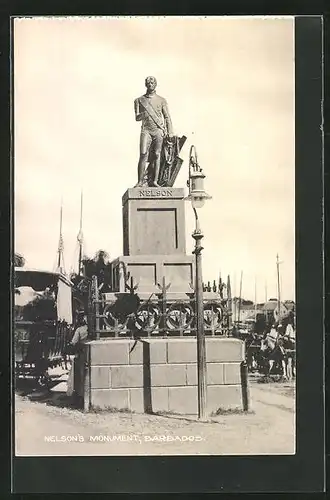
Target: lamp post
[{"x": 197, "y": 196}]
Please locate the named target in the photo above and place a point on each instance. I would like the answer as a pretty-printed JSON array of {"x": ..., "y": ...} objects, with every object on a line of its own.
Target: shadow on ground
[{"x": 32, "y": 391}]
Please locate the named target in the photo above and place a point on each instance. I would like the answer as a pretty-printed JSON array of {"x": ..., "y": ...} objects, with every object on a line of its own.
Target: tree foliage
[
  {"x": 98, "y": 266},
  {"x": 41, "y": 308}
]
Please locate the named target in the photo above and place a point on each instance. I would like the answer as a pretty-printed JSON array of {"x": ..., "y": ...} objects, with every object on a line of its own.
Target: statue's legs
[
  {"x": 157, "y": 142},
  {"x": 145, "y": 142}
]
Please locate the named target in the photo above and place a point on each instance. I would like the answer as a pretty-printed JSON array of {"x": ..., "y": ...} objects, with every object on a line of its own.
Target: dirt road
[{"x": 50, "y": 427}]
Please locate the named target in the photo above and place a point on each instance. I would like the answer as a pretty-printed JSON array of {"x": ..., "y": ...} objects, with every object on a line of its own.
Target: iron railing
[{"x": 160, "y": 315}]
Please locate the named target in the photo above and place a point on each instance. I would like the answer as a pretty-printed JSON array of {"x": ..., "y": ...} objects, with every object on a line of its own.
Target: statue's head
[{"x": 151, "y": 83}]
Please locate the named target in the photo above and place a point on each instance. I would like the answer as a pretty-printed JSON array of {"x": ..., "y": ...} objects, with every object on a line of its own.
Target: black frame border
[{"x": 303, "y": 472}]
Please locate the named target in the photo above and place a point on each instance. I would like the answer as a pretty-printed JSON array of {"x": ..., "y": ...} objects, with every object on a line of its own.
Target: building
[{"x": 247, "y": 309}]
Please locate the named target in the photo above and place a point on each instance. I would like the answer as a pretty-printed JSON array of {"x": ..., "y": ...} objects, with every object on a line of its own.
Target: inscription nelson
[{"x": 156, "y": 193}]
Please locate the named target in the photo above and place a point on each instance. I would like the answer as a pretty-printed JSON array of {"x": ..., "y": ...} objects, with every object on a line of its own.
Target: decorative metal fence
[{"x": 161, "y": 315}]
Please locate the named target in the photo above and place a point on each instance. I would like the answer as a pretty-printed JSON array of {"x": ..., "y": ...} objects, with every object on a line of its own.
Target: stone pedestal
[
  {"x": 154, "y": 374},
  {"x": 160, "y": 375},
  {"x": 154, "y": 221},
  {"x": 154, "y": 242}
]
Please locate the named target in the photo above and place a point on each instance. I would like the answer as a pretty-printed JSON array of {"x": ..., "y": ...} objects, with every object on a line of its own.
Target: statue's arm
[
  {"x": 167, "y": 118},
  {"x": 138, "y": 111}
]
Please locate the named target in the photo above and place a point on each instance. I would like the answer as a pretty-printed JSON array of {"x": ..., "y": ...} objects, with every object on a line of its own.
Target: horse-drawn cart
[
  {"x": 42, "y": 322},
  {"x": 269, "y": 352}
]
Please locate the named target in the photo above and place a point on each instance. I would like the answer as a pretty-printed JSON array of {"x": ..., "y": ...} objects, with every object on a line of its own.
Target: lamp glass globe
[{"x": 197, "y": 202}]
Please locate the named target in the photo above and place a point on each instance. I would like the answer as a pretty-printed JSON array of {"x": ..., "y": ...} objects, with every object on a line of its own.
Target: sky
[{"x": 229, "y": 84}]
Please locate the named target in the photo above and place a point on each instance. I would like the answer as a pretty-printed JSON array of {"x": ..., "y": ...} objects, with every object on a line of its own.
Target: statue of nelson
[{"x": 152, "y": 110}]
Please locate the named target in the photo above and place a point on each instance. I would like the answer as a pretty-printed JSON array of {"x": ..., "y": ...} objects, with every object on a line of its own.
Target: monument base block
[
  {"x": 149, "y": 270},
  {"x": 154, "y": 221},
  {"x": 160, "y": 375}
]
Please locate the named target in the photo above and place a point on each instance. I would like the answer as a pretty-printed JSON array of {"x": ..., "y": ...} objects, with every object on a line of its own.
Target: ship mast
[
  {"x": 60, "y": 249},
  {"x": 235, "y": 298},
  {"x": 80, "y": 237},
  {"x": 255, "y": 299},
  {"x": 240, "y": 297},
  {"x": 266, "y": 295},
  {"x": 278, "y": 288}
]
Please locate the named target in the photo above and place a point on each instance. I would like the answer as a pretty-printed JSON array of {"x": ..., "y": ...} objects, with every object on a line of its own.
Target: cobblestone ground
[{"x": 50, "y": 427}]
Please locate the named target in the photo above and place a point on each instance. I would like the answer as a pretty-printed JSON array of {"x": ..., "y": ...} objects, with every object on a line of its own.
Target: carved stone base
[
  {"x": 148, "y": 271},
  {"x": 154, "y": 221}
]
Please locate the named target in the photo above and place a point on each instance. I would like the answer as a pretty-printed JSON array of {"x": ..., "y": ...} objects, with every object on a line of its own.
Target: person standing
[{"x": 75, "y": 378}]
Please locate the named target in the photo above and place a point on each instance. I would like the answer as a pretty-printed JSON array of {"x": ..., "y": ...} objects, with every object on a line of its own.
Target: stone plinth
[
  {"x": 154, "y": 242},
  {"x": 155, "y": 375},
  {"x": 153, "y": 221},
  {"x": 148, "y": 271}
]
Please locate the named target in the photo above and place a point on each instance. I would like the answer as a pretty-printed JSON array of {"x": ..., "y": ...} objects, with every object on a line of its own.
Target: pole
[
  {"x": 97, "y": 307},
  {"x": 201, "y": 349},
  {"x": 245, "y": 386},
  {"x": 235, "y": 297},
  {"x": 60, "y": 243},
  {"x": 229, "y": 305},
  {"x": 255, "y": 299},
  {"x": 80, "y": 261},
  {"x": 240, "y": 298},
  {"x": 278, "y": 288},
  {"x": 80, "y": 236}
]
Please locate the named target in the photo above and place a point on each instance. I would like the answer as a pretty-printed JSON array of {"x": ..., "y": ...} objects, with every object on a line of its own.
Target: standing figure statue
[{"x": 152, "y": 110}]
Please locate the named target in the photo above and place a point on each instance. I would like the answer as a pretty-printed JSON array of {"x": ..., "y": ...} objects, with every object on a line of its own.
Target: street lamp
[{"x": 197, "y": 196}]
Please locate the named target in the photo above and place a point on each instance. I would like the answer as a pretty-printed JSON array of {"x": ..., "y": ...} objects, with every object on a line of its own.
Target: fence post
[
  {"x": 97, "y": 307},
  {"x": 245, "y": 386},
  {"x": 90, "y": 315},
  {"x": 163, "y": 287}
]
